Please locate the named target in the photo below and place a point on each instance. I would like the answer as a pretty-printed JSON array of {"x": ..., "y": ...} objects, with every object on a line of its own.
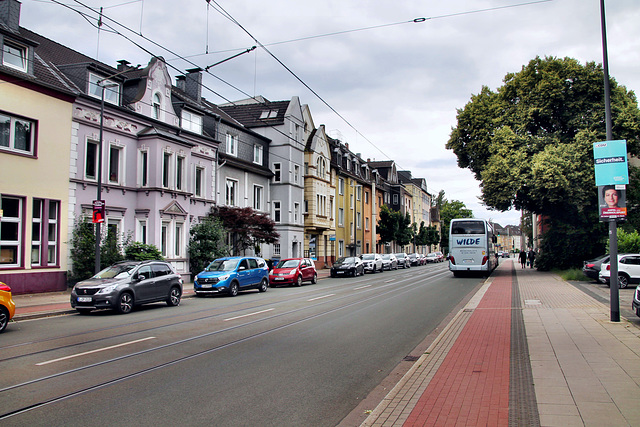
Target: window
[
  {"x": 306, "y": 168},
  {"x": 177, "y": 240},
  {"x": 14, "y": 56},
  {"x": 199, "y": 184},
  {"x": 366, "y": 224},
  {"x": 164, "y": 239},
  {"x": 296, "y": 213},
  {"x": 331, "y": 207},
  {"x": 141, "y": 231},
  {"x": 276, "y": 249},
  {"x": 166, "y": 169},
  {"x": 11, "y": 232},
  {"x": 144, "y": 168},
  {"x": 191, "y": 122},
  {"x": 17, "y": 134},
  {"x": 115, "y": 164},
  {"x": 91, "y": 161},
  {"x": 358, "y": 192},
  {"x": 156, "y": 106},
  {"x": 257, "y": 197},
  {"x": 359, "y": 219},
  {"x": 340, "y": 217},
  {"x": 351, "y": 201},
  {"x": 111, "y": 89},
  {"x": 276, "y": 212},
  {"x": 321, "y": 168},
  {"x": 340, "y": 248},
  {"x": 257, "y": 154},
  {"x": 232, "y": 144},
  {"x": 366, "y": 197},
  {"x": 276, "y": 172},
  {"x": 231, "y": 194},
  {"x": 180, "y": 173},
  {"x": 395, "y": 199},
  {"x": 321, "y": 205},
  {"x": 306, "y": 207},
  {"x": 296, "y": 174},
  {"x": 341, "y": 186},
  {"x": 45, "y": 217}
]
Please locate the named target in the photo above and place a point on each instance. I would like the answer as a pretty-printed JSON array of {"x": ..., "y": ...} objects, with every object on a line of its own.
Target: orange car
[{"x": 7, "y": 306}]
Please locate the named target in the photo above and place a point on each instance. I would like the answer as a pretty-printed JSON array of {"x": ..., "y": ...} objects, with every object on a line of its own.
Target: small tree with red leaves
[{"x": 246, "y": 227}]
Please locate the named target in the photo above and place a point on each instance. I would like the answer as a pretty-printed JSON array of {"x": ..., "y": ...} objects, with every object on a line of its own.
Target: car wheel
[
  {"x": 4, "y": 318},
  {"x": 264, "y": 285},
  {"x": 174, "y": 297},
  {"x": 233, "y": 289},
  {"x": 84, "y": 311},
  {"x": 299, "y": 281},
  {"x": 315, "y": 279},
  {"x": 125, "y": 303},
  {"x": 374, "y": 269},
  {"x": 623, "y": 281}
]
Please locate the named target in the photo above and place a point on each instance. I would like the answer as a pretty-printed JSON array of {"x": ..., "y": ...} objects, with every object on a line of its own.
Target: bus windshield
[{"x": 468, "y": 227}]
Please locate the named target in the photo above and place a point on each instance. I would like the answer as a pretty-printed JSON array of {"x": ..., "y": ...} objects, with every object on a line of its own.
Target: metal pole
[
  {"x": 614, "y": 300},
  {"x": 99, "y": 193}
]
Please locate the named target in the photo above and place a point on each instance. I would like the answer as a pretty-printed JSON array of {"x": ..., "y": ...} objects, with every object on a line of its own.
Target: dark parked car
[
  {"x": 347, "y": 266},
  {"x": 229, "y": 275},
  {"x": 403, "y": 260},
  {"x": 414, "y": 259},
  {"x": 293, "y": 271},
  {"x": 635, "y": 305},
  {"x": 591, "y": 268},
  {"x": 127, "y": 284}
]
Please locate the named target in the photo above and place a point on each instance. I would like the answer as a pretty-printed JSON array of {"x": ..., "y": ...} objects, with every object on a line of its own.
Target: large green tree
[{"x": 530, "y": 145}]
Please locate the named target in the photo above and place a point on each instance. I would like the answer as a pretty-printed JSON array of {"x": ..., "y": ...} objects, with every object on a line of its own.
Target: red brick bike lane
[{"x": 471, "y": 387}]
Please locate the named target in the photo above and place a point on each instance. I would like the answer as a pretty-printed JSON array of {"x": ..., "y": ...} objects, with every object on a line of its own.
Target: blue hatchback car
[{"x": 229, "y": 275}]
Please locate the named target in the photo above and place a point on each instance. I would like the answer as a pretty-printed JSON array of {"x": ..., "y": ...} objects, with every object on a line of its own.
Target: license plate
[
  {"x": 278, "y": 278},
  {"x": 84, "y": 299},
  {"x": 206, "y": 286},
  {"x": 340, "y": 272}
]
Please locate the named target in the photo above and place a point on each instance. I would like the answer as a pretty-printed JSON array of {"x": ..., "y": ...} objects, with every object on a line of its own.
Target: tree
[
  {"x": 387, "y": 226},
  {"x": 206, "y": 243},
  {"x": 247, "y": 228},
  {"x": 530, "y": 145},
  {"x": 82, "y": 250},
  {"x": 405, "y": 231}
]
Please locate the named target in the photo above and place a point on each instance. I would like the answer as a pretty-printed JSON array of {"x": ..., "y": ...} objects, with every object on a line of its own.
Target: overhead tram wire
[{"x": 416, "y": 20}]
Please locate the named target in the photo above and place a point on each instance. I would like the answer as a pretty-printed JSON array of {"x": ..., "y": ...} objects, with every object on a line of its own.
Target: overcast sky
[{"x": 395, "y": 86}]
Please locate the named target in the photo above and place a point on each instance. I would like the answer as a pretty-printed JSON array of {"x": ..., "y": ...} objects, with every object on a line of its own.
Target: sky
[{"x": 375, "y": 73}]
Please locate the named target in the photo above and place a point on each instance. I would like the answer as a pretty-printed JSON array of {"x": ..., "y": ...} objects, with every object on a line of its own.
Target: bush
[
  {"x": 206, "y": 243},
  {"x": 628, "y": 242},
  {"x": 572, "y": 274},
  {"x": 137, "y": 251},
  {"x": 82, "y": 250}
]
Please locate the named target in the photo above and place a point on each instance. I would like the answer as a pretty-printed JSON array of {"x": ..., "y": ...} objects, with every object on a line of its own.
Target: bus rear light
[
  {"x": 485, "y": 259},
  {"x": 452, "y": 259}
]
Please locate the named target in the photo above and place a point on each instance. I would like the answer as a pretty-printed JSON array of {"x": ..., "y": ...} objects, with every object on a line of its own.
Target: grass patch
[{"x": 572, "y": 274}]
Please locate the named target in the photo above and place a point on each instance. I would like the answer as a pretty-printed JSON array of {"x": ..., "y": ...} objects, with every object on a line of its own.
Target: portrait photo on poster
[{"x": 612, "y": 201}]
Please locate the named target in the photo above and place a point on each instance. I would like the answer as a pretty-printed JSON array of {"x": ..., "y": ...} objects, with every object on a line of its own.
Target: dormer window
[
  {"x": 111, "y": 89},
  {"x": 156, "y": 106},
  {"x": 14, "y": 56},
  {"x": 191, "y": 122},
  {"x": 268, "y": 114}
]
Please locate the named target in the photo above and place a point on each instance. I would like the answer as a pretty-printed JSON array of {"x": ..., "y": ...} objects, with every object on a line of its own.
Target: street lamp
[{"x": 103, "y": 84}]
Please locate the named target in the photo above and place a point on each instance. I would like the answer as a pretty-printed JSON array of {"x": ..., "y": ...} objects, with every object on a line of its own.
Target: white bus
[{"x": 471, "y": 246}]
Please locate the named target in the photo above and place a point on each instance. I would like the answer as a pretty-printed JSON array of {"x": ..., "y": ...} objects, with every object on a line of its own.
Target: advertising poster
[{"x": 612, "y": 202}]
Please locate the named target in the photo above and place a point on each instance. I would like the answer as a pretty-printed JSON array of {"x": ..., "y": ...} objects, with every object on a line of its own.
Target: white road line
[
  {"x": 324, "y": 296},
  {"x": 94, "y": 351},
  {"x": 389, "y": 281},
  {"x": 247, "y": 315},
  {"x": 362, "y": 287}
]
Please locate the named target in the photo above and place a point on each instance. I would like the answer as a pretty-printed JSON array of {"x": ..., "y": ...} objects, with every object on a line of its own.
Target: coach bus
[{"x": 471, "y": 246}]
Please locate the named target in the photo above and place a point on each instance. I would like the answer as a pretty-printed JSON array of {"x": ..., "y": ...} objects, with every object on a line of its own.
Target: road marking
[
  {"x": 247, "y": 315},
  {"x": 324, "y": 296},
  {"x": 94, "y": 351},
  {"x": 389, "y": 281},
  {"x": 362, "y": 287}
]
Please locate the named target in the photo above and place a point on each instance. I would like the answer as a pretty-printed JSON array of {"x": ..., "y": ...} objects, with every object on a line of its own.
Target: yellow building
[{"x": 35, "y": 135}]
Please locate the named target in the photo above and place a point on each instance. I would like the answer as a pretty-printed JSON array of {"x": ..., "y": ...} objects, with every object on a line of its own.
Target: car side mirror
[
  {"x": 242, "y": 268},
  {"x": 140, "y": 277}
]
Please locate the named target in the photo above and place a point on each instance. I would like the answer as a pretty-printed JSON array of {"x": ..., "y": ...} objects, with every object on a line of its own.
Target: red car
[{"x": 293, "y": 271}]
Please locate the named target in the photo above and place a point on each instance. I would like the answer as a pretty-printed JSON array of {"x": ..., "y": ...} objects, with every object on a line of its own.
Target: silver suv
[
  {"x": 127, "y": 284},
  {"x": 372, "y": 262}
]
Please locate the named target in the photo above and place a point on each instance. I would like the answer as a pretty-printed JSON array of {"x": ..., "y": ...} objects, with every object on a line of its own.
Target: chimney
[
  {"x": 180, "y": 82},
  {"x": 123, "y": 64},
  {"x": 10, "y": 13},
  {"x": 193, "y": 84}
]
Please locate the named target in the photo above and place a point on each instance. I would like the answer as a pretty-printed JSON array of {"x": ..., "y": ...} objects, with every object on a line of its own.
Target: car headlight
[
  {"x": 107, "y": 289},
  {"x": 223, "y": 278},
  {"x": 292, "y": 271}
]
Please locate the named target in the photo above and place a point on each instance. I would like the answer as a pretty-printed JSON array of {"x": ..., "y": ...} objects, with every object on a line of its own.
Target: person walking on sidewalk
[
  {"x": 522, "y": 257},
  {"x": 532, "y": 257}
]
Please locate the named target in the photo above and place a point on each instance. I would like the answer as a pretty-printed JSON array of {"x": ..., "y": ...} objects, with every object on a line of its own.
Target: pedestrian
[
  {"x": 523, "y": 257},
  {"x": 532, "y": 257}
]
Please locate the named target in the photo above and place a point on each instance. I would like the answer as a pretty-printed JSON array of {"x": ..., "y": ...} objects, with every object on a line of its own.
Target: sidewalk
[{"x": 528, "y": 349}]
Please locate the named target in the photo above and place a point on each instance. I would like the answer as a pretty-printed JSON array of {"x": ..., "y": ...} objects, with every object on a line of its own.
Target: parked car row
[{"x": 599, "y": 269}]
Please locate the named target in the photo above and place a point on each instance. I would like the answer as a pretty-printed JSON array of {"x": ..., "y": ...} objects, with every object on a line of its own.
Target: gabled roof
[{"x": 258, "y": 114}]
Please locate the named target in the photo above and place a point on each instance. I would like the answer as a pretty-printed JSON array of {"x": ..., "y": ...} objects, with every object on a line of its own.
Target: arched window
[
  {"x": 320, "y": 168},
  {"x": 156, "y": 106}
]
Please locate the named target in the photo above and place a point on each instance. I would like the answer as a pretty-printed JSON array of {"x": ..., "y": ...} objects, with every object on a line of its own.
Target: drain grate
[{"x": 411, "y": 358}]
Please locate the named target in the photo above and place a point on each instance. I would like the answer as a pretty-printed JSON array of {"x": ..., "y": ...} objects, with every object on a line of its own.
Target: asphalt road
[{"x": 288, "y": 357}]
